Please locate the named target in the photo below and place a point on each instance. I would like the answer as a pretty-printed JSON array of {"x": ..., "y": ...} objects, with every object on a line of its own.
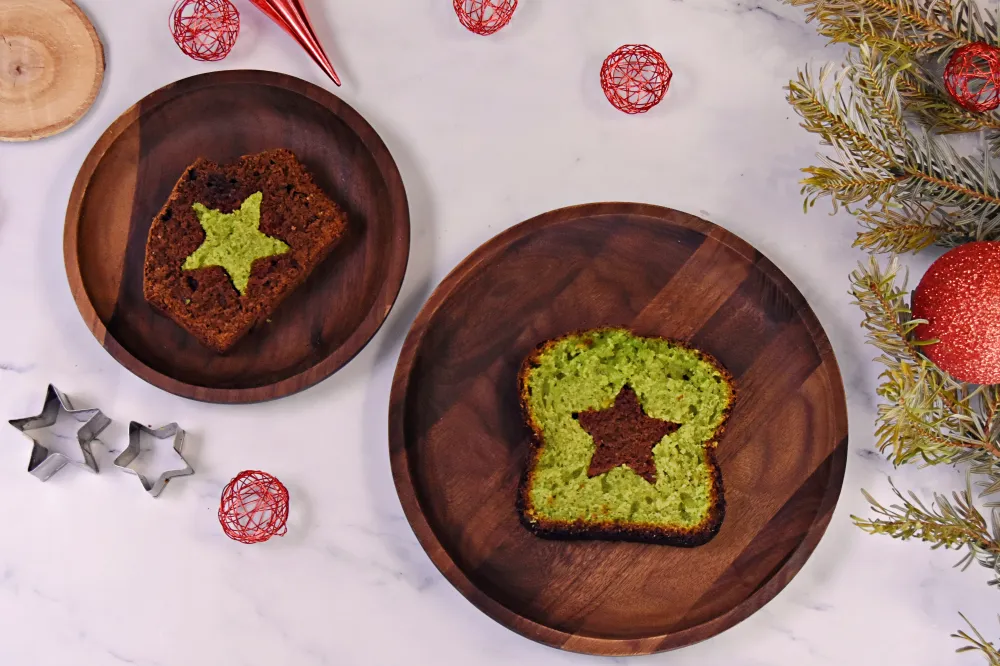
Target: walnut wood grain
[
  {"x": 51, "y": 67},
  {"x": 129, "y": 175},
  {"x": 458, "y": 443}
]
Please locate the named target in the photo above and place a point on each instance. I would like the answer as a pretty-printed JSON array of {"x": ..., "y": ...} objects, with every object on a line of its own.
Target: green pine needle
[
  {"x": 952, "y": 524},
  {"x": 883, "y": 114},
  {"x": 977, "y": 643},
  {"x": 910, "y": 228},
  {"x": 921, "y": 26},
  {"x": 925, "y": 415}
]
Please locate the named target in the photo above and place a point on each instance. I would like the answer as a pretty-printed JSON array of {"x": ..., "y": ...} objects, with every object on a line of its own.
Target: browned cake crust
[
  {"x": 695, "y": 535},
  {"x": 204, "y": 301}
]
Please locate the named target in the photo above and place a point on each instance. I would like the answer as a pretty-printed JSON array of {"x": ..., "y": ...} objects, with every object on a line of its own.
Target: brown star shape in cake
[{"x": 624, "y": 435}]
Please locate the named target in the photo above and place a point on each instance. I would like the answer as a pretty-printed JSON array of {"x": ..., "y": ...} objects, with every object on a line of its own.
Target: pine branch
[
  {"x": 984, "y": 465},
  {"x": 936, "y": 174},
  {"x": 910, "y": 190},
  {"x": 842, "y": 119},
  {"x": 881, "y": 295},
  {"x": 910, "y": 228},
  {"x": 921, "y": 93},
  {"x": 925, "y": 414},
  {"x": 921, "y": 26},
  {"x": 866, "y": 137},
  {"x": 879, "y": 164},
  {"x": 934, "y": 108},
  {"x": 874, "y": 76},
  {"x": 977, "y": 643},
  {"x": 847, "y": 184},
  {"x": 922, "y": 416},
  {"x": 952, "y": 524}
]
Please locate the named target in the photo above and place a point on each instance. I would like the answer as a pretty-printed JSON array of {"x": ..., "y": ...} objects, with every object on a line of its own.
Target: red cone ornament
[
  {"x": 291, "y": 15},
  {"x": 959, "y": 296}
]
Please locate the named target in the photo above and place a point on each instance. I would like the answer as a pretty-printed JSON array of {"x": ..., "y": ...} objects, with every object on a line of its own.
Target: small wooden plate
[
  {"x": 222, "y": 115},
  {"x": 51, "y": 67},
  {"x": 458, "y": 443}
]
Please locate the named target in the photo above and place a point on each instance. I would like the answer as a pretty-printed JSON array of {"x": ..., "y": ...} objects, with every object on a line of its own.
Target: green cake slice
[{"x": 624, "y": 436}]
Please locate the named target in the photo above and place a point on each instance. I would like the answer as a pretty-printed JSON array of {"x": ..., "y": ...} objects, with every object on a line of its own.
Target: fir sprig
[
  {"x": 977, "y": 643},
  {"x": 882, "y": 165},
  {"x": 937, "y": 174},
  {"x": 881, "y": 295},
  {"x": 925, "y": 414},
  {"x": 867, "y": 144},
  {"x": 985, "y": 465},
  {"x": 921, "y": 26},
  {"x": 907, "y": 228},
  {"x": 952, "y": 524},
  {"x": 883, "y": 113},
  {"x": 930, "y": 104}
]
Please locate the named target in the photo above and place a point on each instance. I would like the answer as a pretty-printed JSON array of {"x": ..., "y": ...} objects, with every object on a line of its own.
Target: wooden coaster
[{"x": 51, "y": 67}]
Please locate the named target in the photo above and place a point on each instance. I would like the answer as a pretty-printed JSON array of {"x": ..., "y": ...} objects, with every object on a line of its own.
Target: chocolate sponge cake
[
  {"x": 624, "y": 435},
  {"x": 233, "y": 241}
]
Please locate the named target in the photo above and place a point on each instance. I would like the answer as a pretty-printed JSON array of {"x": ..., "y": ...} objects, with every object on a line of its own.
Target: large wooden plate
[
  {"x": 128, "y": 176},
  {"x": 458, "y": 444}
]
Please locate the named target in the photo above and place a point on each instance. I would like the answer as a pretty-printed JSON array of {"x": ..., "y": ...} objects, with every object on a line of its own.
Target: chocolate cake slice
[
  {"x": 624, "y": 435},
  {"x": 233, "y": 241}
]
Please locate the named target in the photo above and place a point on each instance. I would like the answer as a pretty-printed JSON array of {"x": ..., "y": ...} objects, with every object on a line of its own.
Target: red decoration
[
  {"x": 292, "y": 17},
  {"x": 254, "y": 507},
  {"x": 484, "y": 17},
  {"x": 635, "y": 78},
  {"x": 972, "y": 77},
  {"x": 205, "y": 29},
  {"x": 960, "y": 297}
]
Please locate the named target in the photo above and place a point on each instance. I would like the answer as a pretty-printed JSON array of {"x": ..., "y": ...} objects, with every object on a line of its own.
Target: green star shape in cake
[{"x": 233, "y": 241}]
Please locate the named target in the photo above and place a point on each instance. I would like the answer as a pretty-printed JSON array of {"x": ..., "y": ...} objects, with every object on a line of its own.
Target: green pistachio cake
[{"x": 625, "y": 430}]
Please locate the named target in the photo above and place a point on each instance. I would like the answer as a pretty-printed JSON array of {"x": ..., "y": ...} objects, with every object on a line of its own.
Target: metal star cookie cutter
[
  {"x": 44, "y": 463},
  {"x": 131, "y": 452}
]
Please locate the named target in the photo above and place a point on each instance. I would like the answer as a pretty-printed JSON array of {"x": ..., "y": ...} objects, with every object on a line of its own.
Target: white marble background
[{"x": 487, "y": 132}]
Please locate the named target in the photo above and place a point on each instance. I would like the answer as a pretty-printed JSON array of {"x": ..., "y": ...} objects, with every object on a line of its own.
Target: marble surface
[{"x": 487, "y": 132}]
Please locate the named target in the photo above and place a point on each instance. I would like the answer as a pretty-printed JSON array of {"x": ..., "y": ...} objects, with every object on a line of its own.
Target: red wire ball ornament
[
  {"x": 635, "y": 78},
  {"x": 254, "y": 507},
  {"x": 484, "y": 17},
  {"x": 972, "y": 77},
  {"x": 959, "y": 296},
  {"x": 205, "y": 29}
]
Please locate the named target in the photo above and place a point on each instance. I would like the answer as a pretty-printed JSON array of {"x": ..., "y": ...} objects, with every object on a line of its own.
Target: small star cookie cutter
[
  {"x": 131, "y": 452},
  {"x": 43, "y": 462}
]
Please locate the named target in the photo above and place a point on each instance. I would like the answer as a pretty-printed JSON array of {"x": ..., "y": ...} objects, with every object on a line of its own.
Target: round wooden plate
[
  {"x": 51, "y": 67},
  {"x": 458, "y": 443},
  {"x": 222, "y": 115}
]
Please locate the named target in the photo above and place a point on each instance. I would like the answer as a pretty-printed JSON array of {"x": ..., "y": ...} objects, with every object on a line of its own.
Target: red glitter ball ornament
[
  {"x": 972, "y": 77},
  {"x": 205, "y": 29},
  {"x": 254, "y": 507},
  {"x": 484, "y": 17},
  {"x": 635, "y": 78},
  {"x": 959, "y": 296}
]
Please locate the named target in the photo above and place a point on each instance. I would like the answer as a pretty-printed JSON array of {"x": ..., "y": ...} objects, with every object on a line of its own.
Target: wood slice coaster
[
  {"x": 51, "y": 67},
  {"x": 221, "y": 116},
  {"x": 458, "y": 443}
]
